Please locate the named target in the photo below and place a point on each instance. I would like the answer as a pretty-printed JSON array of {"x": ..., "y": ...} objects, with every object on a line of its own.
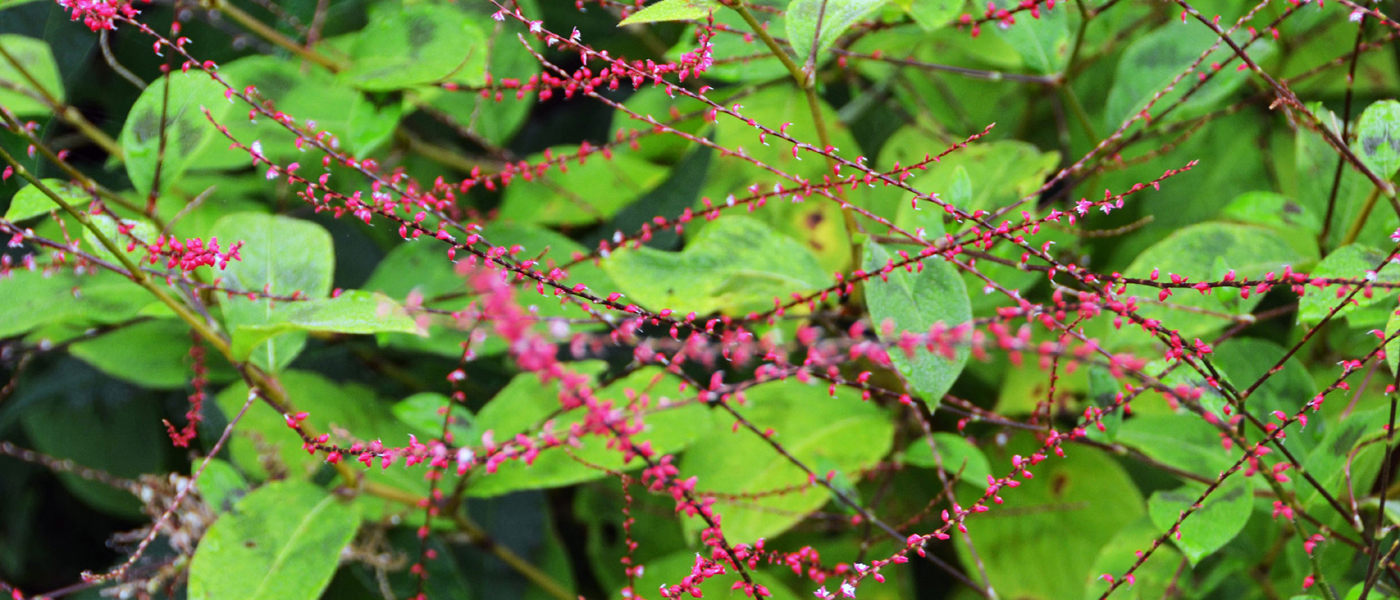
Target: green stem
[
  {"x": 65, "y": 112},
  {"x": 808, "y": 83},
  {"x": 272, "y": 35}
]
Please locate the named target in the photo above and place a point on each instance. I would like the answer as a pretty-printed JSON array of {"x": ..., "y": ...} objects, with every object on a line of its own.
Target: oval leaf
[
  {"x": 280, "y": 542},
  {"x": 168, "y": 146},
  {"x": 914, "y": 302},
  {"x": 1378, "y": 138},
  {"x": 1219, "y": 519}
]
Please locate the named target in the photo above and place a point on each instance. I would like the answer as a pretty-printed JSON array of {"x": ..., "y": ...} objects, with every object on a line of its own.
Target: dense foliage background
[{"x": 853, "y": 298}]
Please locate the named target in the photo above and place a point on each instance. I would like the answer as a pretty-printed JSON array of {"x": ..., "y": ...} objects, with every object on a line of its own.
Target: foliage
[{"x": 629, "y": 299}]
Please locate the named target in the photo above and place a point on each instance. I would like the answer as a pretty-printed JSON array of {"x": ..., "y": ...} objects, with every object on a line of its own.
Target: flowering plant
[{"x": 849, "y": 298}]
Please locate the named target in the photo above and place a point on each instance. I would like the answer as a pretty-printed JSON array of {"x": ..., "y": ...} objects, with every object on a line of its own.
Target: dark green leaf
[
  {"x": 281, "y": 542},
  {"x": 1346, "y": 460},
  {"x": 913, "y": 302},
  {"x": 1151, "y": 62},
  {"x": 153, "y": 354},
  {"x": 426, "y": 411}
]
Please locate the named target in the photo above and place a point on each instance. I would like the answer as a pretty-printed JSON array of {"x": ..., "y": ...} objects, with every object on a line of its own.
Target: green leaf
[
  {"x": 154, "y": 354},
  {"x": 100, "y": 424},
  {"x": 262, "y": 440},
  {"x": 1151, "y": 62},
  {"x": 1378, "y": 138},
  {"x": 1191, "y": 252},
  {"x": 1315, "y": 161},
  {"x": 282, "y": 256},
  {"x": 313, "y": 95},
  {"x": 141, "y": 231},
  {"x": 37, "y": 59},
  {"x": 823, "y": 21},
  {"x": 30, "y": 202},
  {"x": 670, "y": 426},
  {"x": 281, "y": 542},
  {"x": 670, "y": 569},
  {"x": 414, "y": 45},
  {"x": 1219, "y": 519},
  {"x": 736, "y": 265},
  {"x": 810, "y": 425},
  {"x": 1044, "y": 43},
  {"x": 1045, "y": 536},
  {"x": 1273, "y": 210},
  {"x": 35, "y": 298},
  {"x": 353, "y": 312},
  {"x": 424, "y": 412},
  {"x": 578, "y": 193},
  {"x": 1347, "y": 456},
  {"x": 957, "y": 454},
  {"x": 185, "y": 129},
  {"x": 1392, "y": 348},
  {"x": 1178, "y": 440},
  {"x": 914, "y": 302},
  {"x": 221, "y": 485},
  {"x": 931, "y": 14},
  {"x": 1105, "y": 393},
  {"x": 1352, "y": 262},
  {"x": 1154, "y": 577},
  {"x": 672, "y": 10}
]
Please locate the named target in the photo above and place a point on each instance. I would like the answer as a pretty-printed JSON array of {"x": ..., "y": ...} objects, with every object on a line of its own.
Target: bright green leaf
[
  {"x": 353, "y": 312},
  {"x": 281, "y": 256},
  {"x": 30, "y": 202},
  {"x": 1154, "y": 578},
  {"x": 1191, "y": 252},
  {"x": 1219, "y": 519},
  {"x": 736, "y": 265},
  {"x": 169, "y": 146},
  {"x": 1182, "y": 441},
  {"x": 1044, "y": 43},
  {"x": 577, "y": 193},
  {"x": 914, "y": 302},
  {"x": 425, "y": 412},
  {"x": 957, "y": 454},
  {"x": 670, "y": 425},
  {"x": 414, "y": 45},
  {"x": 281, "y": 542},
  {"x": 810, "y": 425},
  {"x": 1040, "y": 543},
  {"x": 136, "y": 231},
  {"x": 823, "y": 21},
  {"x": 37, "y": 59},
  {"x": 672, "y": 10},
  {"x": 1350, "y": 262}
]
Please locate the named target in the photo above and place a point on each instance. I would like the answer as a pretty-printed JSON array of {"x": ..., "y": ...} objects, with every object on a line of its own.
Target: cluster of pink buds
[{"x": 99, "y": 14}]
